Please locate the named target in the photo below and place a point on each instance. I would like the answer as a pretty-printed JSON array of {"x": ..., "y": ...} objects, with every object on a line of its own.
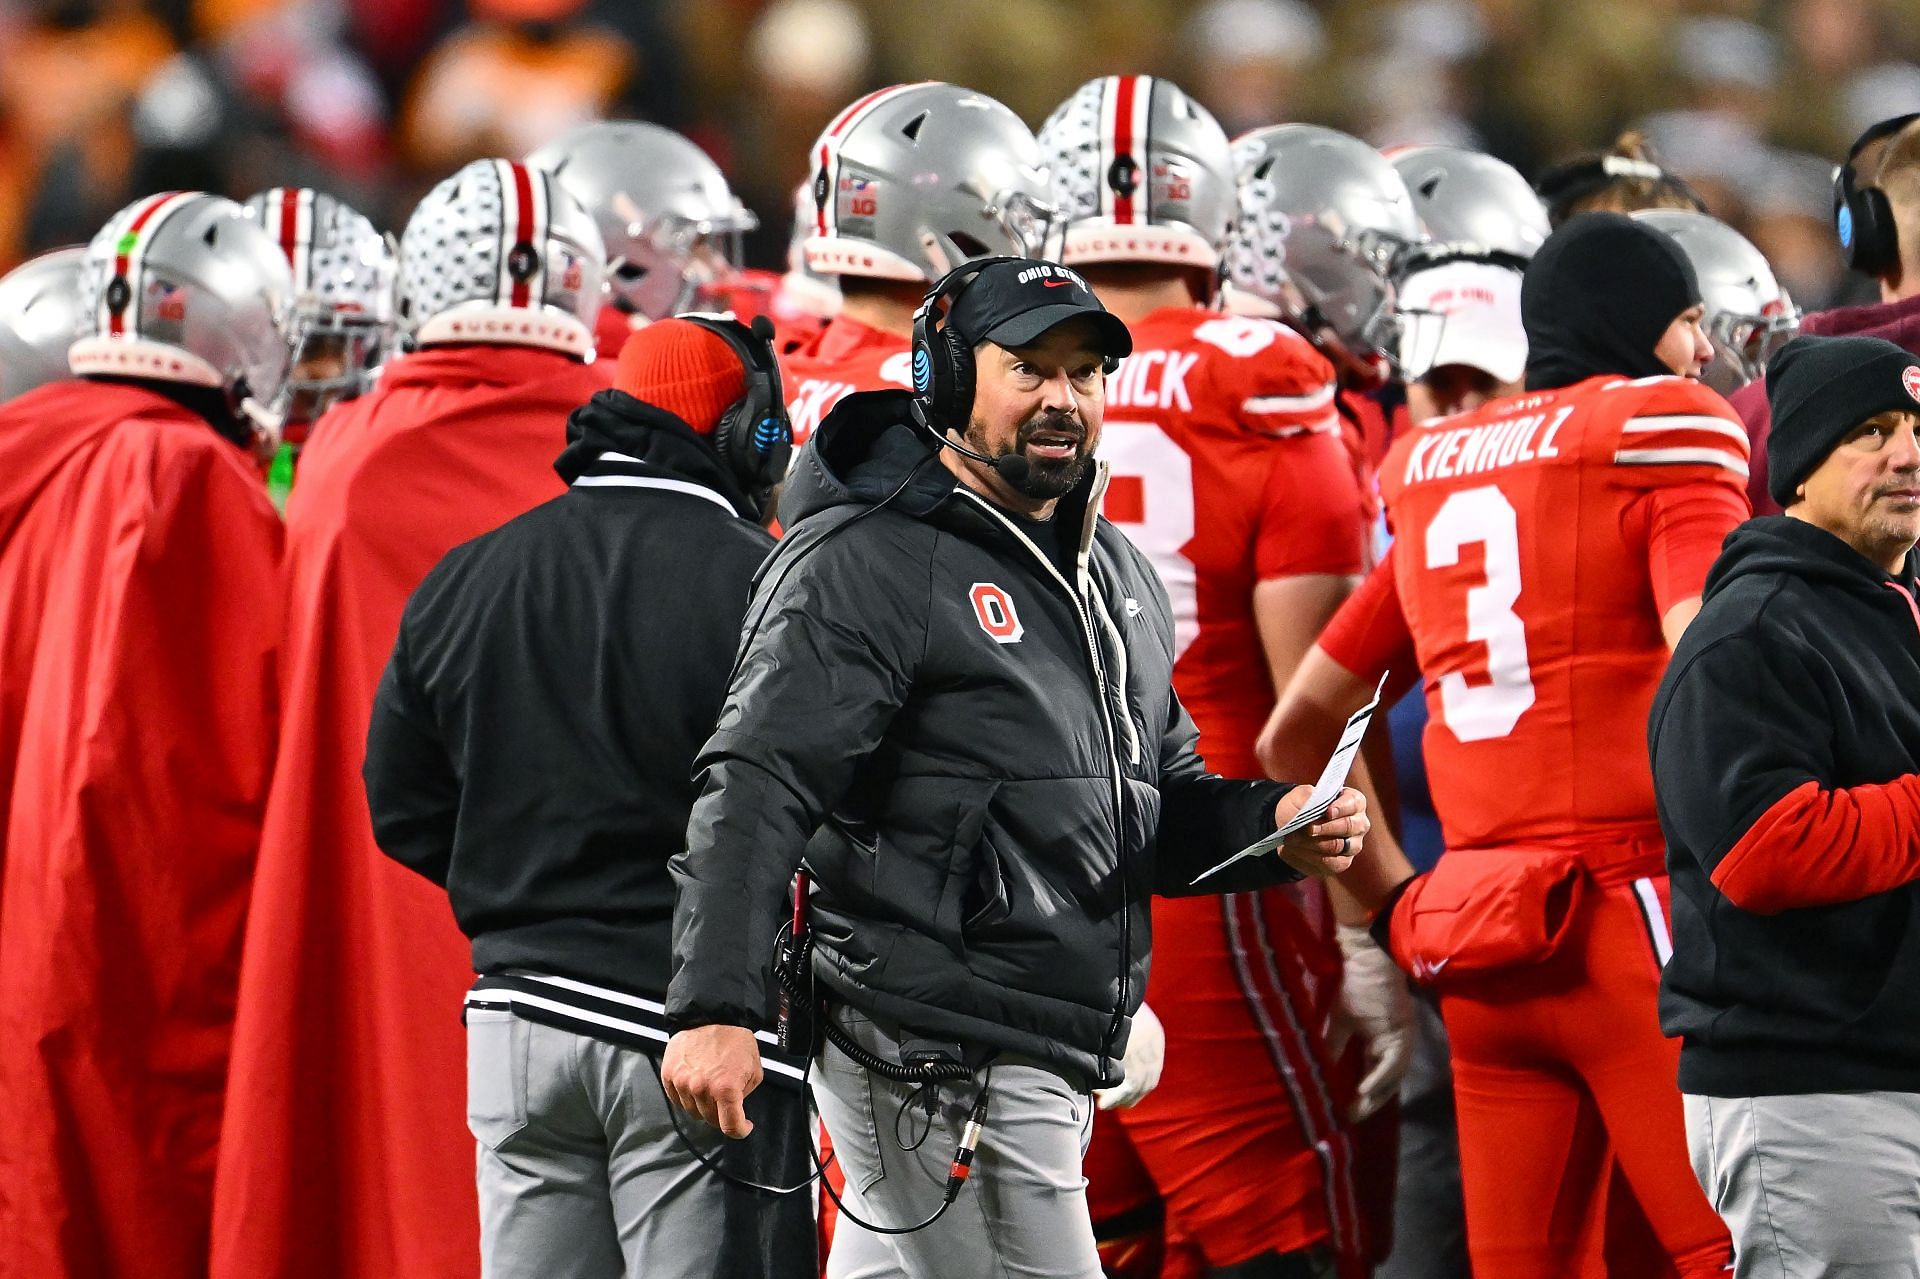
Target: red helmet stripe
[
  {"x": 295, "y": 208},
  {"x": 527, "y": 230},
  {"x": 826, "y": 210},
  {"x": 1123, "y": 97},
  {"x": 126, "y": 260}
]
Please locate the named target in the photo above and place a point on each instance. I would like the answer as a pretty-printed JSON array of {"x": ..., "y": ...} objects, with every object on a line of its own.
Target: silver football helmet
[
  {"x": 502, "y": 253},
  {"x": 1324, "y": 222},
  {"x": 344, "y": 276},
  {"x": 1472, "y": 204},
  {"x": 183, "y": 287},
  {"x": 803, "y": 290},
  {"x": 39, "y": 319},
  {"x": 1749, "y": 316},
  {"x": 1142, "y": 172},
  {"x": 914, "y": 180},
  {"x": 671, "y": 224}
]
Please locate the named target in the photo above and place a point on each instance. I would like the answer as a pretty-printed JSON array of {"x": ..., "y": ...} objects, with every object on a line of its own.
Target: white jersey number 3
[
  {"x": 1150, "y": 497},
  {"x": 1483, "y": 711}
]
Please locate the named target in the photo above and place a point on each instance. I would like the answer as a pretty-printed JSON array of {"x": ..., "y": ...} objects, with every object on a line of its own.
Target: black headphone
[
  {"x": 942, "y": 357},
  {"x": 1862, "y": 215},
  {"x": 754, "y": 437},
  {"x": 943, "y": 371}
]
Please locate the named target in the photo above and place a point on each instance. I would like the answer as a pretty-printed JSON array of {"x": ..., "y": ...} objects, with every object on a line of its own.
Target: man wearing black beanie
[
  {"x": 1785, "y": 744},
  {"x": 1550, "y": 546}
]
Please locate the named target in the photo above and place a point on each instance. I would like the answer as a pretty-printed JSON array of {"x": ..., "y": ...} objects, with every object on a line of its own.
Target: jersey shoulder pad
[
  {"x": 1670, "y": 430},
  {"x": 1267, "y": 376}
]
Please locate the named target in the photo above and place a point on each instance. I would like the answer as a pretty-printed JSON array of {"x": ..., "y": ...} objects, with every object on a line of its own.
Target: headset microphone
[{"x": 1011, "y": 467}]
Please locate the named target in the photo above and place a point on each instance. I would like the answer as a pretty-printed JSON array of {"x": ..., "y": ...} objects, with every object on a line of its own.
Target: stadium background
[{"x": 102, "y": 100}]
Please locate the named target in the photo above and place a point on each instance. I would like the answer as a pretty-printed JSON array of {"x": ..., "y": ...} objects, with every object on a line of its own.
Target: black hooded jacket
[
  {"x": 1785, "y": 741},
  {"x": 532, "y": 741},
  {"x": 983, "y": 763}
]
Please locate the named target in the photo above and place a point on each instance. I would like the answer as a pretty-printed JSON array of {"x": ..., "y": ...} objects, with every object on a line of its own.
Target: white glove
[
  {"x": 1375, "y": 1004},
  {"x": 1146, "y": 1055}
]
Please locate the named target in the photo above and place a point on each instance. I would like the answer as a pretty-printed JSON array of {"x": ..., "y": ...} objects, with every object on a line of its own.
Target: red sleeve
[
  {"x": 1369, "y": 636},
  {"x": 1685, "y": 527},
  {"x": 1863, "y": 840},
  {"x": 1312, "y": 518}
]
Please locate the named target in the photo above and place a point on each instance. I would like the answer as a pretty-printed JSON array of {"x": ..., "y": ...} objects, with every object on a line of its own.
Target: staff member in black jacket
[
  {"x": 953, "y": 699},
  {"x": 531, "y": 751},
  {"x": 1785, "y": 743}
]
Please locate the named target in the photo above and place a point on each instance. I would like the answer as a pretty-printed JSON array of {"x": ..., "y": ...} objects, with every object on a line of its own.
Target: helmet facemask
[
  {"x": 1743, "y": 344},
  {"x": 336, "y": 356},
  {"x": 677, "y": 264}
]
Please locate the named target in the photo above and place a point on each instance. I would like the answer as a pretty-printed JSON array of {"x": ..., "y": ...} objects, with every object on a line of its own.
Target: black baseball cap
[{"x": 1012, "y": 303}]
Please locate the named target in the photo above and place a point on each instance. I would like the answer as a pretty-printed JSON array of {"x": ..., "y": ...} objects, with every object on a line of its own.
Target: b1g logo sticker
[{"x": 994, "y": 609}]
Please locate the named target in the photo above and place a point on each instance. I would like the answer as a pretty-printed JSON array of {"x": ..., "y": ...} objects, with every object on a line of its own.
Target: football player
[
  {"x": 1551, "y": 546},
  {"x": 1324, "y": 223},
  {"x": 1229, "y": 472},
  {"x": 1458, "y": 293},
  {"x": 39, "y": 320},
  {"x": 140, "y": 610},
  {"x": 352, "y": 964},
  {"x": 908, "y": 183},
  {"x": 671, "y": 224},
  {"x": 344, "y": 277}
]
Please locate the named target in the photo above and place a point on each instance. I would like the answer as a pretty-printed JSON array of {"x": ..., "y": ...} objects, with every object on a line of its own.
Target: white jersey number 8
[
  {"x": 1484, "y": 711},
  {"x": 1150, "y": 498}
]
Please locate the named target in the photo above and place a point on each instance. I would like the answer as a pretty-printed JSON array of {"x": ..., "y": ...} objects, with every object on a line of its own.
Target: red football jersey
[
  {"x": 1538, "y": 542},
  {"x": 1228, "y": 470},
  {"x": 846, "y": 356}
]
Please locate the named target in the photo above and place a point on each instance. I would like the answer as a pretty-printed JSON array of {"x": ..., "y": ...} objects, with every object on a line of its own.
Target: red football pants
[
  {"x": 1244, "y": 1139},
  {"x": 1560, "y": 1074}
]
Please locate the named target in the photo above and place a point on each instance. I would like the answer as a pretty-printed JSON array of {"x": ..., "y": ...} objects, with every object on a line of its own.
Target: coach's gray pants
[
  {"x": 1813, "y": 1186},
  {"x": 581, "y": 1174},
  {"x": 1022, "y": 1215}
]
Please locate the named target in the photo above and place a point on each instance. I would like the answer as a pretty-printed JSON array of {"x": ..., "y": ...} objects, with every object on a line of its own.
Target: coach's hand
[
  {"x": 1327, "y": 847},
  {"x": 709, "y": 1071}
]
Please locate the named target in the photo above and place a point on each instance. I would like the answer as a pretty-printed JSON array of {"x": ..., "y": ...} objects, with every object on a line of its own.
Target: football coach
[{"x": 952, "y": 704}]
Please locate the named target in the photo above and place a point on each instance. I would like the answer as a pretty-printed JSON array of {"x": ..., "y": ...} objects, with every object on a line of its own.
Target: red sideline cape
[
  {"x": 347, "y": 1154},
  {"x": 139, "y": 618}
]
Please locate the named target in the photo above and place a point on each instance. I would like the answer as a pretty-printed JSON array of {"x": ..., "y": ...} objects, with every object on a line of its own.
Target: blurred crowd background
[{"x": 103, "y": 100}]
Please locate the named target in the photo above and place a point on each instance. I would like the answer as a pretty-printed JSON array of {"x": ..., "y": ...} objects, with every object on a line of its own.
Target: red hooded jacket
[
  {"x": 348, "y": 1155},
  {"x": 139, "y": 622}
]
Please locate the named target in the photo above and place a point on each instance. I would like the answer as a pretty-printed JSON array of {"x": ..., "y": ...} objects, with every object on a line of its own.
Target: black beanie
[
  {"x": 1819, "y": 389},
  {"x": 1598, "y": 296}
]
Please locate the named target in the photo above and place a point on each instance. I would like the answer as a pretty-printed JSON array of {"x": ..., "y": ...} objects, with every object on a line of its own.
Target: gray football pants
[
  {"x": 580, "y": 1172},
  {"x": 1022, "y": 1214},
  {"x": 1813, "y": 1186}
]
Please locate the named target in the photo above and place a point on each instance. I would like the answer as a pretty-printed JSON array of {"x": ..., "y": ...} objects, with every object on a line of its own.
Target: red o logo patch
[
  {"x": 1910, "y": 378},
  {"x": 994, "y": 609}
]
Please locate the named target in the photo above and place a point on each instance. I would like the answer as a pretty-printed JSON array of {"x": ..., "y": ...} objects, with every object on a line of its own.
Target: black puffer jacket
[{"x": 985, "y": 766}]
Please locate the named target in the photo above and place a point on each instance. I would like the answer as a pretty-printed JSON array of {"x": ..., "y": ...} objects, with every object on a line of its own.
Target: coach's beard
[{"x": 1055, "y": 448}]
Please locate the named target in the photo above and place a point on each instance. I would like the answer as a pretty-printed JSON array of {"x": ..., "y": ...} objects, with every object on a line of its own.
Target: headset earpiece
[
  {"x": 942, "y": 359},
  {"x": 956, "y": 398},
  {"x": 1862, "y": 214},
  {"x": 754, "y": 437}
]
